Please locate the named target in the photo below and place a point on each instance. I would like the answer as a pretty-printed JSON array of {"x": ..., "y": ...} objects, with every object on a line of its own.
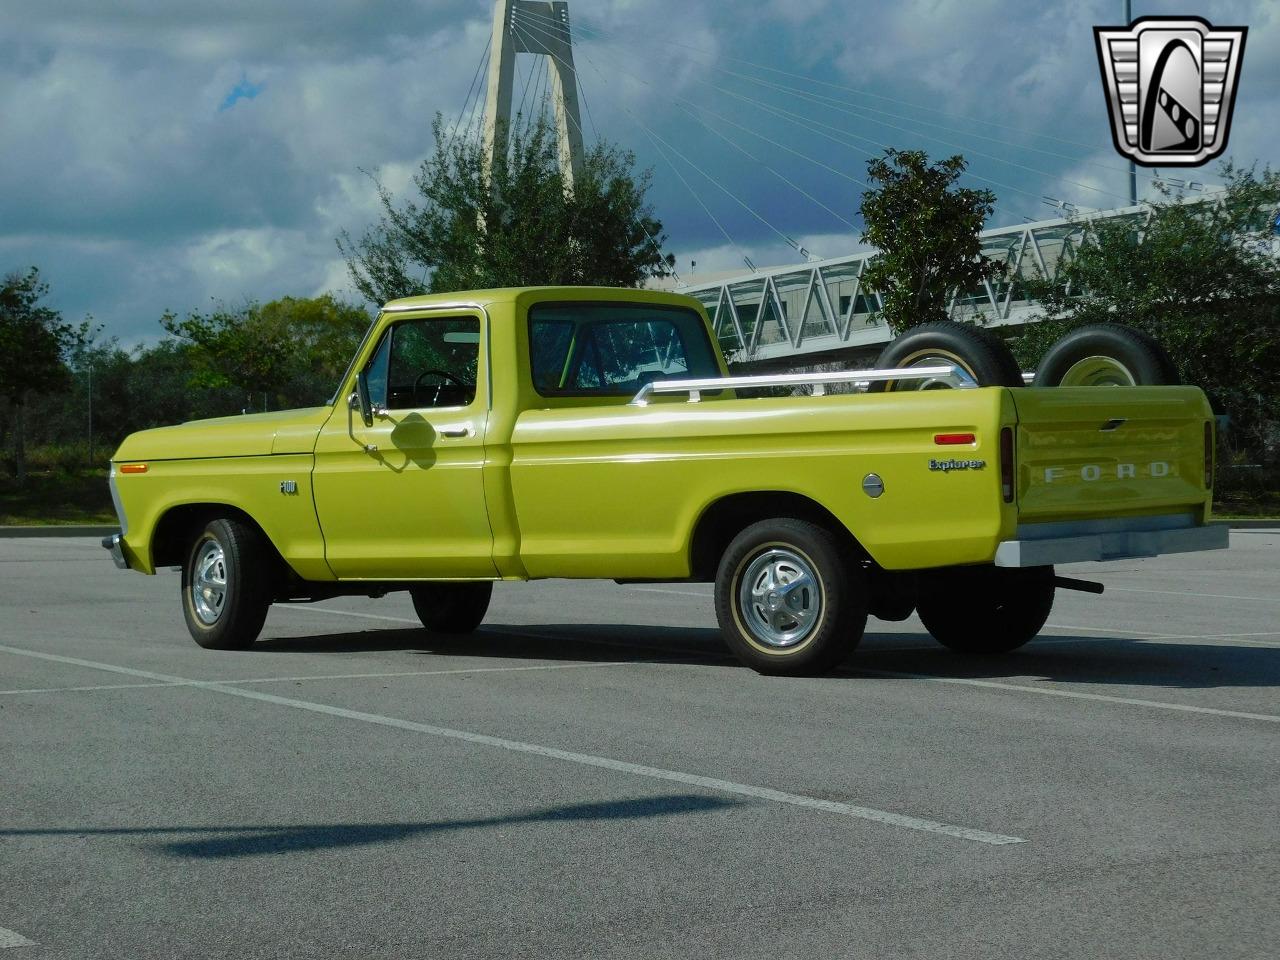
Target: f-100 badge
[{"x": 1171, "y": 87}]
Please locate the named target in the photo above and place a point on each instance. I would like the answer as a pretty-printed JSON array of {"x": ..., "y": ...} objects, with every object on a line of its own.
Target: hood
[{"x": 250, "y": 435}]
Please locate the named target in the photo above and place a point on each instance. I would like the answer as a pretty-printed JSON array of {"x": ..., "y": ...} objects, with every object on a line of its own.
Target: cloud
[{"x": 137, "y": 177}]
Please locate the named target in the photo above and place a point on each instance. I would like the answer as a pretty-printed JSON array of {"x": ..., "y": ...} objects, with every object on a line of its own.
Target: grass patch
[{"x": 54, "y": 496}]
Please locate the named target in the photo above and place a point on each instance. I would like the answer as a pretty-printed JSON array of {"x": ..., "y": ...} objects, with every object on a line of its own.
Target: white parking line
[
  {"x": 438, "y": 673},
  {"x": 585, "y": 759},
  {"x": 1071, "y": 694},
  {"x": 1189, "y": 593},
  {"x": 327, "y": 676},
  {"x": 704, "y": 595},
  {"x": 10, "y": 939},
  {"x": 99, "y": 686}
]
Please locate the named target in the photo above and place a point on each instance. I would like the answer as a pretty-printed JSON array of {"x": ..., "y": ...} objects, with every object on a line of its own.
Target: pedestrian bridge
[{"x": 776, "y": 316}]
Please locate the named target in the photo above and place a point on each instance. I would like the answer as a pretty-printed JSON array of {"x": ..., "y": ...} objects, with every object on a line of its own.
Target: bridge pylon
[{"x": 539, "y": 27}]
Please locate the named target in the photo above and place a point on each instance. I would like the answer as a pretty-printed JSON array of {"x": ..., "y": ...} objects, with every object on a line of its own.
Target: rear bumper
[
  {"x": 1042, "y": 544},
  {"x": 112, "y": 545}
]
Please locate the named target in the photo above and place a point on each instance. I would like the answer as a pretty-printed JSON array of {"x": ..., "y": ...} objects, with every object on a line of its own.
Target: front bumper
[
  {"x": 1043, "y": 544},
  {"x": 112, "y": 545}
]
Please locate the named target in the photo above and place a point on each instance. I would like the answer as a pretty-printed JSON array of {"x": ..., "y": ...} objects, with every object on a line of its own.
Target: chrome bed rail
[{"x": 949, "y": 374}]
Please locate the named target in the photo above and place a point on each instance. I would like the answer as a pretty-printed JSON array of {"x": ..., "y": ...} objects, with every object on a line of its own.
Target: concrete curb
[
  {"x": 1263, "y": 524},
  {"x": 59, "y": 530}
]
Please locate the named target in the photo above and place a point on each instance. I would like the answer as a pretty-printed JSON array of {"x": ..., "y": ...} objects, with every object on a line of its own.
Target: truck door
[{"x": 403, "y": 498}]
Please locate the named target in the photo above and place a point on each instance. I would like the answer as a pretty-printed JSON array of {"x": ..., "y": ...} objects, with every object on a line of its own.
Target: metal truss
[{"x": 791, "y": 311}]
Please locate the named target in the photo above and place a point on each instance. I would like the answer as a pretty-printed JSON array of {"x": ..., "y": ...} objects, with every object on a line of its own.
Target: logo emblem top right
[{"x": 1171, "y": 87}]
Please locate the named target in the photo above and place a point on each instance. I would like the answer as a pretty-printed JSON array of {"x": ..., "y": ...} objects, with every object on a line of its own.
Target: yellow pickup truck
[{"x": 596, "y": 433}]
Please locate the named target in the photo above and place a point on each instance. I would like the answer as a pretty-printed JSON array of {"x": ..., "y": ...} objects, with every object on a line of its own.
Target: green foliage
[
  {"x": 288, "y": 352},
  {"x": 926, "y": 229},
  {"x": 1202, "y": 278},
  {"x": 469, "y": 228},
  {"x": 33, "y": 338}
]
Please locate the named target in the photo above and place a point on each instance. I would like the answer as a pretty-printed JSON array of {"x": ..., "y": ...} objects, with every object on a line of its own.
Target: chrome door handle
[{"x": 456, "y": 433}]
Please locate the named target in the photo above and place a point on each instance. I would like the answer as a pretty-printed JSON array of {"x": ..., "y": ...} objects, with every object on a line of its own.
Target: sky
[{"x": 171, "y": 154}]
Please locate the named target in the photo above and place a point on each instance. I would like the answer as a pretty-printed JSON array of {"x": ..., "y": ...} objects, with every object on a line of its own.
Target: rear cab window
[{"x": 613, "y": 349}]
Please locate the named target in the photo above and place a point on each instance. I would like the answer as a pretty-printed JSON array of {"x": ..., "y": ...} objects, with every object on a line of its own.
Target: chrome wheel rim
[
  {"x": 209, "y": 582},
  {"x": 933, "y": 359},
  {"x": 1098, "y": 372},
  {"x": 780, "y": 598}
]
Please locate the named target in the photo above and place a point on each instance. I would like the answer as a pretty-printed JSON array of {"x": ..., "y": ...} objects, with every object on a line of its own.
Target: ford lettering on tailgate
[{"x": 1091, "y": 472}]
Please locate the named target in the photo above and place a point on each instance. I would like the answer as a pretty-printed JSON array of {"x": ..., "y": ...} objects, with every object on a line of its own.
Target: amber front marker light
[{"x": 133, "y": 468}]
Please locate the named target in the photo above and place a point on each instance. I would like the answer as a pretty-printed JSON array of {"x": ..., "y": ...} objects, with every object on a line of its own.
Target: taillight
[
  {"x": 1006, "y": 464},
  {"x": 1208, "y": 454}
]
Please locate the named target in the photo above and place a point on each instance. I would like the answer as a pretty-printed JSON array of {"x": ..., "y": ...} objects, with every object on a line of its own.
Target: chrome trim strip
[
  {"x": 1111, "y": 545},
  {"x": 957, "y": 377},
  {"x": 437, "y": 307}
]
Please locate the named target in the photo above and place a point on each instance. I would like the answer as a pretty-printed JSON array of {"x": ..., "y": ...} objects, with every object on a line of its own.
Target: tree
[
  {"x": 1202, "y": 277},
  {"x": 514, "y": 225},
  {"x": 926, "y": 231},
  {"x": 289, "y": 352},
  {"x": 33, "y": 339}
]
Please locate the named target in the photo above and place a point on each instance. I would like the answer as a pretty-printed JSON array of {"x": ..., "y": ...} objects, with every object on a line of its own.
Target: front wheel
[
  {"x": 452, "y": 608},
  {"x": 985, "y": 610},
  {"x": 788, "y": 599},
  {"x": 224, "y": 585}
]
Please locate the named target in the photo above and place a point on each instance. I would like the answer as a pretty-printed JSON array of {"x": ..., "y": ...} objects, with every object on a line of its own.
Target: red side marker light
[
  {"x": 953, "y": 439},
  {"x": 133, "y": 468}
]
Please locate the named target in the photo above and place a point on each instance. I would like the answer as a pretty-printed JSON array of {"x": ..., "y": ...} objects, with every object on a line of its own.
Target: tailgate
[{"x": 1092, "y": 452}]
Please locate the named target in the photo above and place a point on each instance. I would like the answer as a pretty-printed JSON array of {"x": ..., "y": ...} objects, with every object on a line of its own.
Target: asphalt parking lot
[{"x": 590, "y": 775}]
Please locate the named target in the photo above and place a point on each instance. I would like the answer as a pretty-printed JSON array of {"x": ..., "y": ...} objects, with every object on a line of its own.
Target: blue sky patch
[{"x": 244, "y": 90}]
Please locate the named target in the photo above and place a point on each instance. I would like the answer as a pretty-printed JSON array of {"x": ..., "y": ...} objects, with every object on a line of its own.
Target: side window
[{"x": 426, "y": 363}]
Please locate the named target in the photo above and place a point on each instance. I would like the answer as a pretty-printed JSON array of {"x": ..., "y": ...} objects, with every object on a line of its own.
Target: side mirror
[{"x": 361, "y": 399}]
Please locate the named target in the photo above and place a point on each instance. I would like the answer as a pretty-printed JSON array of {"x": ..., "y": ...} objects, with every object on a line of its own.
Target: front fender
[{"x": 274, "y": 491}]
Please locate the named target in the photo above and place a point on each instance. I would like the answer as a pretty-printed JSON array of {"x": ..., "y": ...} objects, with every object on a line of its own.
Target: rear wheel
[
  {"x": 985, "y": 610},
  {"x": 1106, "y": 355},
  {"x": 787, "y": 598},
  {"x": 225, "y": 585},
  {"x": 452, "y": 608},
  {"x": 981, "y": 356}
]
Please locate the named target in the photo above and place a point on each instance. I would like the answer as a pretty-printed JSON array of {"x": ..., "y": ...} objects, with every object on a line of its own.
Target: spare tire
[
  {"x": 978, "y": 352},
  {"x": 1106, "y": 355}
]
